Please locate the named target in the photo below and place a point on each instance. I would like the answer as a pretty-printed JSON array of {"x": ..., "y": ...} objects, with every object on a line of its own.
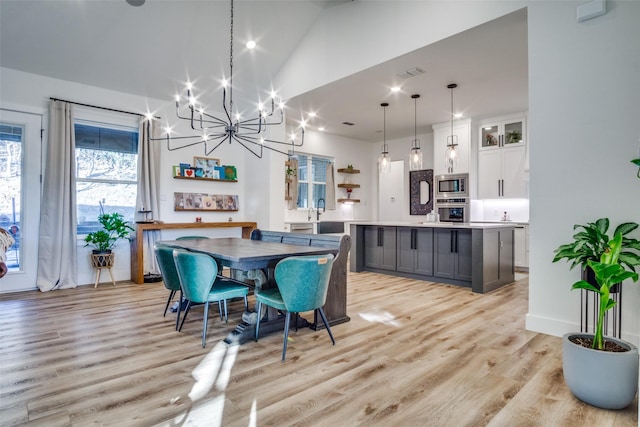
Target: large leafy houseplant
[
  {"x": 593, "y": 241},
  {"x": 114, "y": 227}
]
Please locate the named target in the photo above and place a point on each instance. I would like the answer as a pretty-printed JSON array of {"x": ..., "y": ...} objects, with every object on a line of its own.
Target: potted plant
[
  {"x": 593, "y": 241},
  {"x": 602, "y": 372},
  {"x": 114, "y": 227}
]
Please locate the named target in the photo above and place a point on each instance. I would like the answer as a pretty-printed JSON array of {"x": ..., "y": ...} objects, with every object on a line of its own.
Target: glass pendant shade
[
  {"x": 415, "y": 158},
  {"x": 384, "y": 160},
  {"x": 451, "y": 155}
]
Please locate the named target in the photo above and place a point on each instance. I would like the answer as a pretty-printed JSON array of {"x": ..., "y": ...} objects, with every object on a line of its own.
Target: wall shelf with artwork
[
  {"x": 204, "y": 168},
  {"x": 197, "y": 178},
  {"x": 205, "y": 202}
]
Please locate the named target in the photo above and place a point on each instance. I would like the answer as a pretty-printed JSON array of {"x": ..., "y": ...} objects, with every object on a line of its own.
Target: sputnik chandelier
[{"x": 213, "y": 131}]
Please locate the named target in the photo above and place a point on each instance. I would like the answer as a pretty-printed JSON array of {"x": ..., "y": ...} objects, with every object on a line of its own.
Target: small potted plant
[
  {"x": 602, "y": 372},
  {"x": 114, "y": 227}
]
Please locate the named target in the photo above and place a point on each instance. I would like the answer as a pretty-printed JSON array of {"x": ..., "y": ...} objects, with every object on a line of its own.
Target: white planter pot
[{"x": 600, "y": 378}]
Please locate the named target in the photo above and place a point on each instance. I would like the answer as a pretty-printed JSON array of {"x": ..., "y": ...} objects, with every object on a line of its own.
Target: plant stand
[{"x": 100, "y": 262}]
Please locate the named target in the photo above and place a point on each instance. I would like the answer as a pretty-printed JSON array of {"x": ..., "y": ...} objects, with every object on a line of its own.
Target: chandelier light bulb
[
  {"x": 189, "y": 86},
  {"x": 225, "y": 83},
  {"x": 167, "y": 130},
  {"x": 251, "y": 44}
]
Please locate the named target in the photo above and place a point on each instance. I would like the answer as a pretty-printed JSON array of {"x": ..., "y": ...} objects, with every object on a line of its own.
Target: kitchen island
[{"x": 475, "y": 255}]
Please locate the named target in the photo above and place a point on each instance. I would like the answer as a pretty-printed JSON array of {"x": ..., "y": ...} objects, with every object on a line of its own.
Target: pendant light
[
  {"x": 415, "y": 157},
  {"x": 384, "y": 160},
  {"x": 451, "y": 155}
]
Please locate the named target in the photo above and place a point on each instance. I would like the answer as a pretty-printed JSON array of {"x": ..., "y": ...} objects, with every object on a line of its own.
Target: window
[
  {"x": 312, "y": 179},
  {"x": 106, "y": 172}
]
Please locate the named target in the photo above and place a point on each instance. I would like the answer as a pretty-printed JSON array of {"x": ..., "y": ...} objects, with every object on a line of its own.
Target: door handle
[{"x": 381, "y": 234}]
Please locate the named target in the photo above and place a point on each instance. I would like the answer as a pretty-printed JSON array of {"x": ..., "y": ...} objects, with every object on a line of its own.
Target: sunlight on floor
[
  {"x": 384, "y": 317},
  {"x": 213, "y": 370}
]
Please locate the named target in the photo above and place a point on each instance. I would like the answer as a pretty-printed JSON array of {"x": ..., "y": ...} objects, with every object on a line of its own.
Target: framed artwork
[
  {"x": 205, "y": 202},
  {"x": 421, "y": 192},
  {"x": 208, "y": 166}
]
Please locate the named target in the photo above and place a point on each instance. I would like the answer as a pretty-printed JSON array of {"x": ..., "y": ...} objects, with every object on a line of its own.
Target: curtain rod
[{"x": 101, "y": 108}]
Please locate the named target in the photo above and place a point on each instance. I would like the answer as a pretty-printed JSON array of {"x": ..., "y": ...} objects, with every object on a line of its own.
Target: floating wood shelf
[
  {"x": 349, "y": 185},
  {"x": 349, "y": 200},
  {"x": 198, "y": 178},
  {"x": 346, "y": 170}
]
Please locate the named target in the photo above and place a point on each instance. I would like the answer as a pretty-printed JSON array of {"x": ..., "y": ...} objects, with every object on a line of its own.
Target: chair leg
[
  {"x": 296, "y": 320},
  {"x": 287, "y": 319},
  {"x": 204, "y": 324},
  {"x": 246, "y": 305},
  {"x": 179, "y": 310},
  {"x": 258, "y": 307},
  {"x": 171, "y": 294},
  {"x": 220, "y": 308},
  {"x": 326, "y": 324},
  {"x": 226, "y": 313},
  {"x": 186, "y": 311}
]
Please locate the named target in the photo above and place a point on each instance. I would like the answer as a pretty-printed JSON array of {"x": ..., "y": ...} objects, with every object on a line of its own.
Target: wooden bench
[{"x": 335, "y": 307}]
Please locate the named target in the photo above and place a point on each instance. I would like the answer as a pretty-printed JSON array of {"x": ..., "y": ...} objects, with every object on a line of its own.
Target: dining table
[{"x": 246, "y": 255}]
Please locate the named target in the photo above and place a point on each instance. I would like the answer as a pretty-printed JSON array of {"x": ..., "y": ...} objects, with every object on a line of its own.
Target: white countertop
[{"x": 481, "y": 225}]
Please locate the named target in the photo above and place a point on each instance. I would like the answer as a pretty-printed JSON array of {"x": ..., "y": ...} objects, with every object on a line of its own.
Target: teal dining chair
[
  {"x": 164, "y": 255},
  {"x": 302, "y": 283},
  {"x": 191, "y": 237},
  {"x": 199, "y": 282}
]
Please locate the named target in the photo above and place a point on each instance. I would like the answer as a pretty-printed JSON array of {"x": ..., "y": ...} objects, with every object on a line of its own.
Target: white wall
[
  {"x": 584, "y": 129},
  {"x": 345, "y": 151}
]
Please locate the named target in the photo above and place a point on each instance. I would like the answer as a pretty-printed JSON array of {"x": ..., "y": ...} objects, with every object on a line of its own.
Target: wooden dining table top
[{"x": 245, "y": 254}]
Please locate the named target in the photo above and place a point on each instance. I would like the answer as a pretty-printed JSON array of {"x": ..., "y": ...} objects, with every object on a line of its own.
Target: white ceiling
[{"x": 153, "y": 49}]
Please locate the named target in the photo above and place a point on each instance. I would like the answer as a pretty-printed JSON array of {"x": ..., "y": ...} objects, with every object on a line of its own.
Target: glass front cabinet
[{"x": 503, "y": 133}]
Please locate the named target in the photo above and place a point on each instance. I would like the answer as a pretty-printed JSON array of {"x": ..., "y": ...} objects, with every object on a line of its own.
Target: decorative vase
[{"x": 604, "y": 379}]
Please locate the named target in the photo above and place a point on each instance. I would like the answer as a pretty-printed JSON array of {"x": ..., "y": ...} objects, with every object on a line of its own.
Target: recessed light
[
  {"x": 321, "y": 129},
  {"x": 347, "y": 123},
  {"x": 251, "y": 44},
  {"x": 395, "y": 89},
  {"x": 312, "y": 114},
  {"x": 457, "y": 115}
]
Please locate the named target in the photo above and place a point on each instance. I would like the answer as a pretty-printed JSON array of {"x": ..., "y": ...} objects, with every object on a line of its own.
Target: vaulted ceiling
[{"x": 152, "y": 50}]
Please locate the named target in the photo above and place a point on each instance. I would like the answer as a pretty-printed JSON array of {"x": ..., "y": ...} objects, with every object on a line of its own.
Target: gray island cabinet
[{"x": 476, "y": 255}]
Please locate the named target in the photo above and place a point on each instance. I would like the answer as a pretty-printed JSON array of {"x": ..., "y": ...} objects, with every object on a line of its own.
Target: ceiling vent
[
  {"x": 412, "y": 72},
  {"x": 347, "y": 123}
]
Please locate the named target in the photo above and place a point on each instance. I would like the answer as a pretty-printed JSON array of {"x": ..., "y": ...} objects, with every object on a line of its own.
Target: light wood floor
[{"x": 414, "y": 354}]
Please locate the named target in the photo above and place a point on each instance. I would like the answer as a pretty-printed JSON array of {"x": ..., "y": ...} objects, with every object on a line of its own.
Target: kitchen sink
[{"x": 326, "y": 227}]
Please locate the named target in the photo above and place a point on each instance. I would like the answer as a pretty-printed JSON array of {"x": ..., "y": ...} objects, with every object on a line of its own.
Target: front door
[{"x": 20, "y": 162}]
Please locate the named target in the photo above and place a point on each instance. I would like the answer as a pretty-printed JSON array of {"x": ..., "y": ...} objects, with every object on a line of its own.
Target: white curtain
[
  {"x": 148, "y": 181},
  {"x": 331, "y": 188},
  {"x": 57, "y": 249},
  {"x": 292, "y": 203}
]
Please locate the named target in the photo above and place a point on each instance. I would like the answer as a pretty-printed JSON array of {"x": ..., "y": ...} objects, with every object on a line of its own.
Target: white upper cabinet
[
  {"x": 502, "y": 133},
  {"x": 442, "y": 131},
  {"x": 502, "y": 158}
]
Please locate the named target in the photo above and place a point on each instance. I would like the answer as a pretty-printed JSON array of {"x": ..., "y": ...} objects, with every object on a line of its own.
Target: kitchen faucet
[{"x": 324, "y": 204}]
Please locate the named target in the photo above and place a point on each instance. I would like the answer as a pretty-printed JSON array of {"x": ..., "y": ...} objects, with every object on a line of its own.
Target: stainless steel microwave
[{"x": 452, "y": 185}]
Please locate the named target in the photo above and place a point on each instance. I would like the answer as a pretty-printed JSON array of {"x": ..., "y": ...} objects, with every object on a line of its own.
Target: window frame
[
  {"x": 106, "y": 120},
  {"x": 310, "y": 183}
]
